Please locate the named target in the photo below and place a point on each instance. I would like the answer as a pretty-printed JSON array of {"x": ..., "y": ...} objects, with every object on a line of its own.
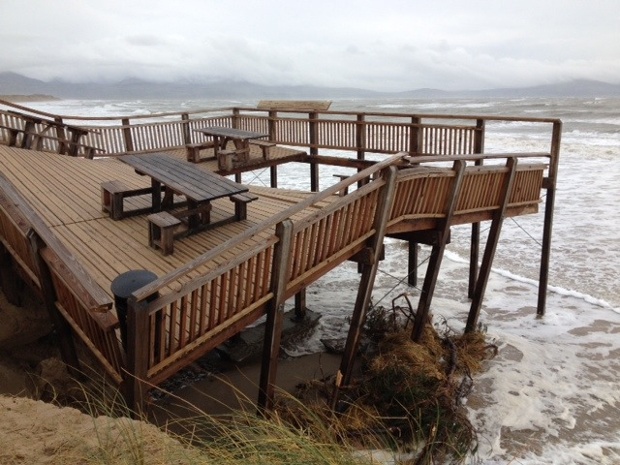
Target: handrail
[
  {"x": 97, "y": 299},
  {"x": 256, "y": 110},
  {"x": 148, "y": 290},
  {"x": 111, "y": 118},
  {"x": 429, "y": 158}
]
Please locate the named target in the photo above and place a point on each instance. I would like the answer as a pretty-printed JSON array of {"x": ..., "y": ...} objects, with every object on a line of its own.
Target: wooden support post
[
  {"x": 412, "y": 263},
  {"x": 474, "y": 253},
  {"x": 474, "y": 249},
  {"x": 127, "y": 135},
  {"x": 30, "y": 131},
  {"x": 360, "y": 136},
  {"x": 272, "y": 129},
  {"x": 61, "y": 326},
  {"x": 491, "y": 246},
  {"x": 550, "y": 184},
  {"x": 275, "y": 314},
  {"x": 314, "y": 150},
  {"x": 238, "y": 178},
  {"x": 300, "y": 305},
  {"x": 9, "y": 279},
  {"x": 434, "y": 263},
  {"x": 415, "y": 136},
  {"x": 367, "y": 281},
  {"x": 187, "y": 137},
  {"x": 138, "y": 343},
  {"x": 416, "y": 142},
  {"x": 235, "y": 118},
  {"x": 63, "y": 147},
  {"x": 273, "y": 176}
]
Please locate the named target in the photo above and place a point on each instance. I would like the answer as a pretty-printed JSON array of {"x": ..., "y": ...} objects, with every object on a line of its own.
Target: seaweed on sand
[{"x": 404, "y": 395}]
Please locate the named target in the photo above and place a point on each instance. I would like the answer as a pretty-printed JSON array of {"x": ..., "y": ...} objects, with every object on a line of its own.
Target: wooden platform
[
  {"x": 54, "y": 234},
  {"x": 277, "y": 155},
  {"x": 65, "y": 192}
]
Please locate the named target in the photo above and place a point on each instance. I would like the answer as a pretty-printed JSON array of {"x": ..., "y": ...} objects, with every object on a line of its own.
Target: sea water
[{"x": 551, "y": 395}]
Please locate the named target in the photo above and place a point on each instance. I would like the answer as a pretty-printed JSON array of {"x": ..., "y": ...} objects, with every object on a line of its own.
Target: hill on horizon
[{"x": 16, "y": 84}]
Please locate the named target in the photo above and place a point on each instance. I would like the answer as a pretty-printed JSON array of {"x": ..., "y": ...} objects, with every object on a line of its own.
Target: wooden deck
[
  {"x": 220, "y": 280},
  {"x": 65, "y": 192}
]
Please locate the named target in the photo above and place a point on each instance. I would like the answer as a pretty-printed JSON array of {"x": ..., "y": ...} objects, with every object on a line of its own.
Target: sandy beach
[{"x": 32, "y": 429}]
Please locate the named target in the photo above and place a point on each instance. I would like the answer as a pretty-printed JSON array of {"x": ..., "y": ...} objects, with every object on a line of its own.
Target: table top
[
  {"x": 184, "y": 177},
  {"x": 233, "y": 133}
]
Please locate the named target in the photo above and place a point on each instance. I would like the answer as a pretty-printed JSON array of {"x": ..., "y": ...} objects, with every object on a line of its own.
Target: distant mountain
[
  {"x": 16, "y": 84},
  {"x": 577, "y": 88}
]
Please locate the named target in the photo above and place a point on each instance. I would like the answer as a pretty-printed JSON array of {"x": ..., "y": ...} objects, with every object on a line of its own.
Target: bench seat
[
  {"x": 264, "y": 145},
  {"x": 241, "y": 204},
  {"x": 193, "y": 151},
  {"x": 227, "y": 158},
  {"x": 162, "y": 226},
  {"x": 112, "y": 195}
]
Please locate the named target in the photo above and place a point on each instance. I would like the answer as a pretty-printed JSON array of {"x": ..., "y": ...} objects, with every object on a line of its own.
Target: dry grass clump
[{"x": 405, "y": 395}]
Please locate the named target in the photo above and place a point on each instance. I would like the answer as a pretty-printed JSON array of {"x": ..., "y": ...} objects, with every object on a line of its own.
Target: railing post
[
  {"x": 273, "y": 132},
  {"x": 280, "y": 274},
  {"x": 271, "y": 125},
  {"x": 63, "y": 147},
  {"x": 550, "y": 184},
  {"x": 235, "y": 118},
  {"x": 474, "y": 248},
  {"x": 416, "y": 144},
  {"x": 127, "y": 135},
  {"x": 415, "y": 136},
  {"x": 360, "y": 136},
  {"x": 138, "y": 334},
  {"x": 314, "y": 150},
  {"x": 187, "y": 137},
  {"x": 382, "y": 214}
]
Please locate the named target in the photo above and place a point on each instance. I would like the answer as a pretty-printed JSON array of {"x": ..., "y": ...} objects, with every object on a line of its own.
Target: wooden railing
[
  {"x": 64, "y": 284},
  {"x": 479, "y": 195},
  {"x": 14, "y": 231},
  {"x": 198, "y": 310},
  {"x": 186, "y": 313},
  {"x": 198, "y": 307},
  {"x": 366, "y": 132}
]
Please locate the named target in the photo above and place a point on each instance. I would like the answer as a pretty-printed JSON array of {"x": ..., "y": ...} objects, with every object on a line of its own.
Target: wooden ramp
[{"x": 222, "y": 279}]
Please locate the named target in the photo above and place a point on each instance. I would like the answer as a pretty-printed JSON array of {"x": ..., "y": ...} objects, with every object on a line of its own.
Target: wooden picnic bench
[
  {"x": 33, "y": 139},
  {"x": 226, "y": 158},
  {"x": 173, "y": 176}
]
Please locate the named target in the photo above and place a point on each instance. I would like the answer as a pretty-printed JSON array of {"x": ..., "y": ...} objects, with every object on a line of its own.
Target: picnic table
[
  {"x": 170, "y": 175},
  {"x": 239, "y": 137}
]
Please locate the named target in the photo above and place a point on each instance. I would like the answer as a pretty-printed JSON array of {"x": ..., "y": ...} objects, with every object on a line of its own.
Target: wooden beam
[
  {"x": 434, "y": 263},
  {"x": 275, "y": 314},
  {"x": 491, "y": 246},
  {"x": 474, "y": 248},
  {"x": 300, "y": 305},
  {"x": 550, "y": 185},
  {"x": 62, "y": 327},
  {"x": 138, "y": 343},
  {"x": 294, "y": 105},
  {"x": 273, "y": 176},
  {"x": 9, "y": 279},
  {"x": 382, "y": 214}
]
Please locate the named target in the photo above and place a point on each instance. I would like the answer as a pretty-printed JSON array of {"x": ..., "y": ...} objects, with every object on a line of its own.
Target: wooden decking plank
[{"x": 109, "y": 248}]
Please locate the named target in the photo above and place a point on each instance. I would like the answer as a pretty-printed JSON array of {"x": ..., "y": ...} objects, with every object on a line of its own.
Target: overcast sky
[{"x": 380, "y": 45}]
